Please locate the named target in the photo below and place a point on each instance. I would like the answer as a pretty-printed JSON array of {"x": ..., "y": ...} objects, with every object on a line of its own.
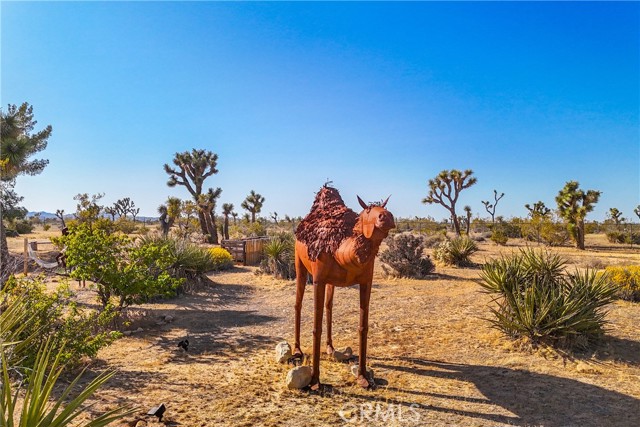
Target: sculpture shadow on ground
[{"x": 534, "y": 398}]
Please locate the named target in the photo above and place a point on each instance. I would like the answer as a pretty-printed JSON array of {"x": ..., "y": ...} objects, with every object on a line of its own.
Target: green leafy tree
[
  {"x": 227, "y": 209},
  {"x": 573, "y": 206},
  {"x": 18, "y": 142},
  {"x": 445, "y": 189},
  {"x": 87, "y": 209},
  {"x": 192, "y": 169},
  {"x": 253, "y": 203}
]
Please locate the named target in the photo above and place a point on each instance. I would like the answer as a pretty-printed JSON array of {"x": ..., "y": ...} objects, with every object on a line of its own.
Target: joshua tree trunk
[
  {"x": 4, "y": 255},
  {"x": 226, "y": 227},
  {"x": 580, "y": 235}
]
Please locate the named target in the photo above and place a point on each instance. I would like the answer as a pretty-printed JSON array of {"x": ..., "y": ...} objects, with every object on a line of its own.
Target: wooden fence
[{"x": 246, "y": 251}]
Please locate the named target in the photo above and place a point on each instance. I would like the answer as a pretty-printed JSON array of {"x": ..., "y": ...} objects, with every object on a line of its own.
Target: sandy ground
[{"x": 436, "y": 360}]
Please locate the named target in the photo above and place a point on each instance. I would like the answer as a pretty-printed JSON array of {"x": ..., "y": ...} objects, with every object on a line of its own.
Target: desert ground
[{"x": 437, "y": 361}]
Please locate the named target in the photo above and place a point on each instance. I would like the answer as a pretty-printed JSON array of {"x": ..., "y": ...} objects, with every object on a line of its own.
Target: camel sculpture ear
[
  {"x": 367, "y": 228},
  {"x": 385, "y": 202},
  {"x": 363, "y": 204}
]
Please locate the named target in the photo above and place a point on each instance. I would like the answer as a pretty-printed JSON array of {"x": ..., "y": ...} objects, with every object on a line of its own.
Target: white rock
[
  {"x": 299, "y": 377},
  {"x": 343, "y": 354},
  {"x": 354, "y": 371},
  {"x": 283, "y": 352},
  {"x": 139, "y": 330},
  {"x": 169, "y": 319}
]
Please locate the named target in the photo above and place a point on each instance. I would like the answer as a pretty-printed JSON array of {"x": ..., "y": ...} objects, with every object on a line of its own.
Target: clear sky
[{"x": 376, "y": 97}]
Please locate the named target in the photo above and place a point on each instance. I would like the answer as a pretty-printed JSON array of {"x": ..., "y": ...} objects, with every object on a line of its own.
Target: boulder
[
  {"x": 299, "y": 377},
  {"x": 354, "y": 371},
  {"x": 283, "y": 352}
]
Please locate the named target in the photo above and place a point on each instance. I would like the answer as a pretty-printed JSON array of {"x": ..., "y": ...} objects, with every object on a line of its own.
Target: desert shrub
[
  {"x": 455, "y": 251},
  {"x": 46, "y": 227},
  {"x": 405, "y": 257},
  {"x": 622, "y": 237},
  {"x": 554, "y": 234},
  {"x": 244, "y": 229},
  {"x": 537, "y": 299},
  {"x": 74, "y": 332},
  {"x": 130, "y": 272},
  {"x": 627, "y": 280},
  {"x": 222, "y": 259},
  {"x": 433, "y": 240},
  {"x": 279, "y": 256},
  {"x": 22, "y": 226},
  {"x": 125, "y": 225},
  {"x": 499, "y": 237}
]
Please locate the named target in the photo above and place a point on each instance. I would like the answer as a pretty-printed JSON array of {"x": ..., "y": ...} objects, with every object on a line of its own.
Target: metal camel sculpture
[{"x": 338, "y": 248}]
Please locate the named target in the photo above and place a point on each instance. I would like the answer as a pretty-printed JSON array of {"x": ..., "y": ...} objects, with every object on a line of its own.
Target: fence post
[{"x": 26, "y": 256}]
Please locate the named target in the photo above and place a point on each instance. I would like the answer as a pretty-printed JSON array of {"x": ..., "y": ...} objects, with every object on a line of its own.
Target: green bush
[
  {"x": 279, "y": 256},
  {"x": 23, "y": 226},
  {"x": 74, "y": 332},
  {"x": 456, "y": 251},
  {"x": 125, "y": 225},
  {"x": 46, "y": 227},
  {"x": 405, "y": 257},
  {"x": 538, "y": 300},
  {"x": 627, "y": 280},
  {"x": 499, "y": 237},
  {"x": 120, "y": 268},
  {"x": 222, "y": 259}
]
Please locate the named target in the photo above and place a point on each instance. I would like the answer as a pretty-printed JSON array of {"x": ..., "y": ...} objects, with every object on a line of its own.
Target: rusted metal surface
[{"x": 338, "y": 248}]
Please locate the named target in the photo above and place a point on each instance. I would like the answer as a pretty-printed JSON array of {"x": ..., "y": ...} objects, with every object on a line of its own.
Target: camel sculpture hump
[{"x": 327, "y": 225}]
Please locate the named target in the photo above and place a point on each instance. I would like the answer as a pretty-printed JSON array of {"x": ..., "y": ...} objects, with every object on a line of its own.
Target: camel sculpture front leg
[
  {"x": 318, "y": 306},
  {"x": 365, "y": 296},
  {"x": 301, "y": 282}
]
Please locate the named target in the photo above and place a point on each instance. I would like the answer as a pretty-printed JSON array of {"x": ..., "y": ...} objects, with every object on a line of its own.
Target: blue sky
[{"x": 376, "y": 97}]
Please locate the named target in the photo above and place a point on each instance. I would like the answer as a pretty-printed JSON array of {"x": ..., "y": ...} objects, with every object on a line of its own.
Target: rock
[
  {"x": 343, "y": 354},
  {"x": 169, "y": 319},
  {"x": 299, "y": 377},
  {"x": 139, "y": 330},
  {"x": 354, "y": 371},
  {"x": 283, "y": 352},
  {"x": 127, "y": 333}
]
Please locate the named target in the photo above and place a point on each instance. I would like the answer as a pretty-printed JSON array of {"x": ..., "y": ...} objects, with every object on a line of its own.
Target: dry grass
[{"x": 437, "y": 362}]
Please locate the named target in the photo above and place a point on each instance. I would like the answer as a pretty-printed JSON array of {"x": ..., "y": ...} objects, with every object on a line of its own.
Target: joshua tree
[
  {"x": 235, "y": 217},
  {"x": 573, "y": 205},
  {"x": 616, "y": 216},
  {"x": 467, "y": 210},
  {"x": 445, "y": 189},
  {"x": 169, "y": 212},
  {"x": 491, "y": 207},
  {"x": 274, "y": 216},
  {"x": 227, "y": 209},
  {"x": 60, "y": 214},
  {"x": 192, "y": 170},
  {"x": 253, "y": 203},
  {"x": 637, "y": 211},
  {"x": 538, "y": 209}
]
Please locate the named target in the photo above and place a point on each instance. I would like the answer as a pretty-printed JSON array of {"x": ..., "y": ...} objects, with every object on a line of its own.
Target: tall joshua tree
[
  {"x": 192, "y": 169},
  {"x": 573, "y": 205},
  {"x": 467, "y": 218},
  {"x": 491, "y": 207},
  {"x": 253, "y": 203},
  {"x": 18, "y": 143},
  {"x": 445, "y": 189},
  {"x": 227, "y": 209}
]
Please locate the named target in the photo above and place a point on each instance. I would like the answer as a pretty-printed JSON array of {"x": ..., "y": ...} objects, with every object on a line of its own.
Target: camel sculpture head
[{"x": 376, "y": 217}]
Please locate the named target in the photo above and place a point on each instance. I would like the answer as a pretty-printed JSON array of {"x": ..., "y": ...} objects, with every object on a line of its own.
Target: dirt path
[{"x": 436, "y": 360}]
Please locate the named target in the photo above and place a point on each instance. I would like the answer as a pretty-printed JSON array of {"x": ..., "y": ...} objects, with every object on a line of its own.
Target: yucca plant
[
  {"x": 536, "y": 298},
  {"x": 456, "y": 251},
  {"x": 38, "y": 407},
  {"x": 29, "y": 402},
  {"x": 279, "y": 254}
]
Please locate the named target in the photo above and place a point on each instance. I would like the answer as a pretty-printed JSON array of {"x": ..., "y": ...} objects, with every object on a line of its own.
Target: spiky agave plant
[{"x": 536, "y": 298}]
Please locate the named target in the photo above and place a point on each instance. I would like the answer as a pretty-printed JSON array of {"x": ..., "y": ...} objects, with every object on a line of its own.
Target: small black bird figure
[{"x": 184, "y": 344}]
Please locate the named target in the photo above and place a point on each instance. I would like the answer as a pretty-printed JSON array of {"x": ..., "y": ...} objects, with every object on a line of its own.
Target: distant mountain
[{"x": 43, "y": 215}]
